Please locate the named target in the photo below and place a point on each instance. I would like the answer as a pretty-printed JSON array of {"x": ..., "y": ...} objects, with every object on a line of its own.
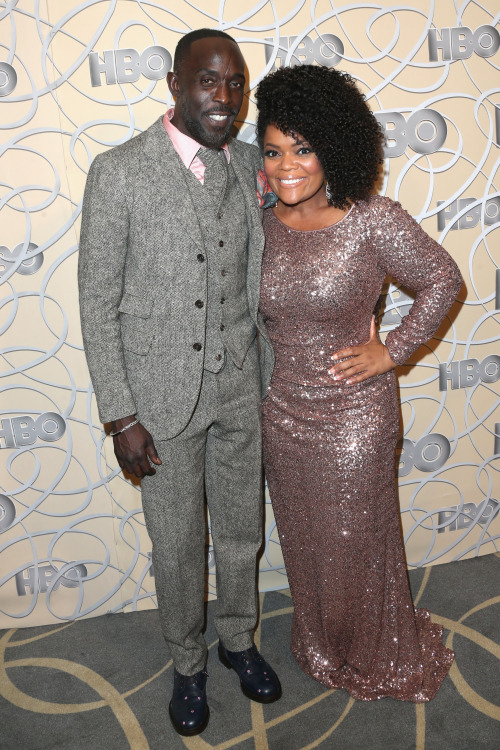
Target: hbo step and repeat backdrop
[{"x": 77, "y": 78}]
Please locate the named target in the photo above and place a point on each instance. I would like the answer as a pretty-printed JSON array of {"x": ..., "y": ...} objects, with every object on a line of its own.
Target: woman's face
[{"x": 293, "y": 169}]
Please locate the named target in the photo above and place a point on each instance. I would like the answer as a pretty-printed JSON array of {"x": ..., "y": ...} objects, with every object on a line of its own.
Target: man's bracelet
[{"x": 127, "y": 426}]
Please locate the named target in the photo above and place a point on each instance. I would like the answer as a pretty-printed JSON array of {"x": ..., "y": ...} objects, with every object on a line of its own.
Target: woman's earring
[{"x": 329, "y": 195}]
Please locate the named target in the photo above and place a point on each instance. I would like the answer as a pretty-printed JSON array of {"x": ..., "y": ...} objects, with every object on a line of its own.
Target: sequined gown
[{"x": 329, "y": 448}]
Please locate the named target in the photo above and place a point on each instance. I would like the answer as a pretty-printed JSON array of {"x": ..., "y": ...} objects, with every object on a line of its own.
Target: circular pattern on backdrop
[{"x": 77, "y": 80}]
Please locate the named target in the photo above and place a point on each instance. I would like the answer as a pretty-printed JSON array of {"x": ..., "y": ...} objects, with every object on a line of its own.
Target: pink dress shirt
[{"x": 187, "y": 147}]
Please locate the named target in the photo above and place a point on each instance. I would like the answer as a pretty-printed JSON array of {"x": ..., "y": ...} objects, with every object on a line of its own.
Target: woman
[{"x": 331, "y": 418}]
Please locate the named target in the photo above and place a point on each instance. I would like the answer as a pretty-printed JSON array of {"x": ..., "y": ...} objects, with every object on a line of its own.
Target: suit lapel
[
  {"x": 248, "y": 182},
  {"x": 169, "y": 175}
]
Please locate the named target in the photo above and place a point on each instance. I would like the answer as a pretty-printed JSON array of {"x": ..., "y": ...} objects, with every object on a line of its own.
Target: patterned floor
[{"x": 103, "y": 684}]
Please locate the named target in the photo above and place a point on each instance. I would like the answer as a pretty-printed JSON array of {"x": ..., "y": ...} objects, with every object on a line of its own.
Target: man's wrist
[
  {"x": 119, "y": 424},
  {"x": 114, "y": 433}
]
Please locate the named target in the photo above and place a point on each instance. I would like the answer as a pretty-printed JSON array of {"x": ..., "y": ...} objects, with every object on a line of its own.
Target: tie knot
[
  {"x": 210, "y": 156},
  {"x": 215, "y": 167}
]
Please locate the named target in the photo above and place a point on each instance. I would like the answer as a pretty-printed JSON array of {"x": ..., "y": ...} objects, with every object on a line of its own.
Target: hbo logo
[
  {"x": 459, "y": 43},
  {"x": 47, "y": 574},
  {"x": 469, "y": 372},
  {"x": 430, "y": 453},
  {"x": 151, "y": 566},
  {"x": 7, "y": 512},
  {"x": 8, "y": 79},
  {"x": 27, "y": 267},
  {"x": 127, "y": 65},
  {"x": 461, "y": 517},
  {"x": 398, "y": 305},
  {"x": 20, "y": 431},
  {"x": 471, "y": 218},
  {"x": 325, "y": 50},
  {"x": 424, "y": 131}
]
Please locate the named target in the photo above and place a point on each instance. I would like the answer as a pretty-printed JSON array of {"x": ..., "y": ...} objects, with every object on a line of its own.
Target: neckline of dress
[{"x": 320, "y": 229}]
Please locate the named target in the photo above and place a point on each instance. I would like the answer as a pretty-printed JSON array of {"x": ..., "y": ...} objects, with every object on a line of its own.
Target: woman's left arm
[{"x": 417, "y": 261}]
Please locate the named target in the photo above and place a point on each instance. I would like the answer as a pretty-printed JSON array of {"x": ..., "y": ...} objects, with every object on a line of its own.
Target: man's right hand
[{"x": 134, "y": 448}]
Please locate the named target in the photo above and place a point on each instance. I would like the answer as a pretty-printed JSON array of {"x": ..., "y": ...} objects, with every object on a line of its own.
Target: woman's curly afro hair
[{"x": 325, "y": 107}]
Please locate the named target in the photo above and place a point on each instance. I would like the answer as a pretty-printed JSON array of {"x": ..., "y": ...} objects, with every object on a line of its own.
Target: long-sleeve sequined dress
[{"x": 329, "y": 448}]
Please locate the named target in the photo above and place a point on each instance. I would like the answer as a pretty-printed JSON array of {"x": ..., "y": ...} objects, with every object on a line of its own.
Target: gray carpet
[{"x": 104, "y": 683}]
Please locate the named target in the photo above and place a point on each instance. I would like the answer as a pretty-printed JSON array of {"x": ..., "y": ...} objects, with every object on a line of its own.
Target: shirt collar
[{"x": 186, "y": 147}]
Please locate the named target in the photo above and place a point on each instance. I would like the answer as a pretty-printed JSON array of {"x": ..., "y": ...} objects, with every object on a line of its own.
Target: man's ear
[{"x": 173, "y": 83}]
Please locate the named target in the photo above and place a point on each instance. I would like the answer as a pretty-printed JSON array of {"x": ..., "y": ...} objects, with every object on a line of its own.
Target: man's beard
[{"x": 197, "y": 131}]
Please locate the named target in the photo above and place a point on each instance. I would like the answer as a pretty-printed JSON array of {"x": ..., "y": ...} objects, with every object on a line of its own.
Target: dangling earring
[{"x": 329, "y": 195}]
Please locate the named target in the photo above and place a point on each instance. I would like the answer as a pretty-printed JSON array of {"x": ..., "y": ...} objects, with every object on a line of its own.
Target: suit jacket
[{"x": 139, "y": 276}]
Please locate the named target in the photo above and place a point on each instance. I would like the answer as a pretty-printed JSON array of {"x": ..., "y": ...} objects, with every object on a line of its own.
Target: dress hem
[{"x": 420, "y": 684}]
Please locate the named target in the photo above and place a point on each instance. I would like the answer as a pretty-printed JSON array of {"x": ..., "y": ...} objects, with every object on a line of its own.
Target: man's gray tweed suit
[
  {"x": 139, "y": 277},
  {"x": 143, "y": 299}
]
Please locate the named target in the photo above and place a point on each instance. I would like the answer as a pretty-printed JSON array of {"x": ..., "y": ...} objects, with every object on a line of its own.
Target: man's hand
[
  {"x": 365, "y": 361},
  {"x": 134, "y": 448}
]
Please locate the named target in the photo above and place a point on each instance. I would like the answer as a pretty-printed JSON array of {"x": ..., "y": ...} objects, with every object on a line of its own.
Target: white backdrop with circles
[{"x": 79, "y": 78}]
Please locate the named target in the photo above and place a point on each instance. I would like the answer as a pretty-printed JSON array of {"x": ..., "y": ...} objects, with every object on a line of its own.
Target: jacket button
[
  {"x": 197, "y": 347},
  {"x": 219, "y": 215},
  {"x": 221, "y": 243},
  {"x": 199, "y": 303},
  {"x": 222, "y": 300},
  {"x": 223, "y": 272},
  {"x": 222, "y": 327},
  {"x": 200, "y": 258},
  {"x": 218, "y": 357}
]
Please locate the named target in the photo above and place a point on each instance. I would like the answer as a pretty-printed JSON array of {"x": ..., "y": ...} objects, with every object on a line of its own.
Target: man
[{"x": 169, "y": 273}]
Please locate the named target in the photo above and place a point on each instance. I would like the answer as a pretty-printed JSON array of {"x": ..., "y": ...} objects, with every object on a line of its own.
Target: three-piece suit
[{"x": 169, "y": 275}]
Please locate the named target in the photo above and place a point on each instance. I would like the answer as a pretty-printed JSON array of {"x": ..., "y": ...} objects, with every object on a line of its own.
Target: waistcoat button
[
  {"x": 197, "y": 347},
  {"x": 221, "y": 243},
  {"x": 218, "y": 357},
  {"x": 199, "y": 303},
  {"x": 200, "y": 258}
]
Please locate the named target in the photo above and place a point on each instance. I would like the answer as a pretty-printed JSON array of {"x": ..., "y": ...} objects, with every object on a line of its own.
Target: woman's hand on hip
[{"x": 364, "y": 361}]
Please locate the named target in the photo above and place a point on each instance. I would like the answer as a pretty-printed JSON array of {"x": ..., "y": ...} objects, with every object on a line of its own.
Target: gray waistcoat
[{"x": 229, "y": 326}]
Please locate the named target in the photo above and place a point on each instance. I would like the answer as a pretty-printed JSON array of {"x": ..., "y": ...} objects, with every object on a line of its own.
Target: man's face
[{"x": 209, "y": 90}]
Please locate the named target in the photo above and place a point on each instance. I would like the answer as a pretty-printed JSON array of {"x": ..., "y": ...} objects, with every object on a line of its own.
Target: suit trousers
[{"x": 217, "y": 456}]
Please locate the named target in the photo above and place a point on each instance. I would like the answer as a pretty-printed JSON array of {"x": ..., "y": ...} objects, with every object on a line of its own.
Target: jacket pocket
[
  {"x": 131, "y": 304},
  {"x": 136, "y": 326}
]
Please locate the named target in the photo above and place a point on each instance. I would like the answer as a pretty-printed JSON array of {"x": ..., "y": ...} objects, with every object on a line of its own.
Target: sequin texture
[{"x": 329, "y": 448}]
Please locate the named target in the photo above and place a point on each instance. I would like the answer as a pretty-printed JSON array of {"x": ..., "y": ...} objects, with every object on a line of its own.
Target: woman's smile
[
  {"x": 290, "y": 181},
  {"x": 293, "y": 169}
]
